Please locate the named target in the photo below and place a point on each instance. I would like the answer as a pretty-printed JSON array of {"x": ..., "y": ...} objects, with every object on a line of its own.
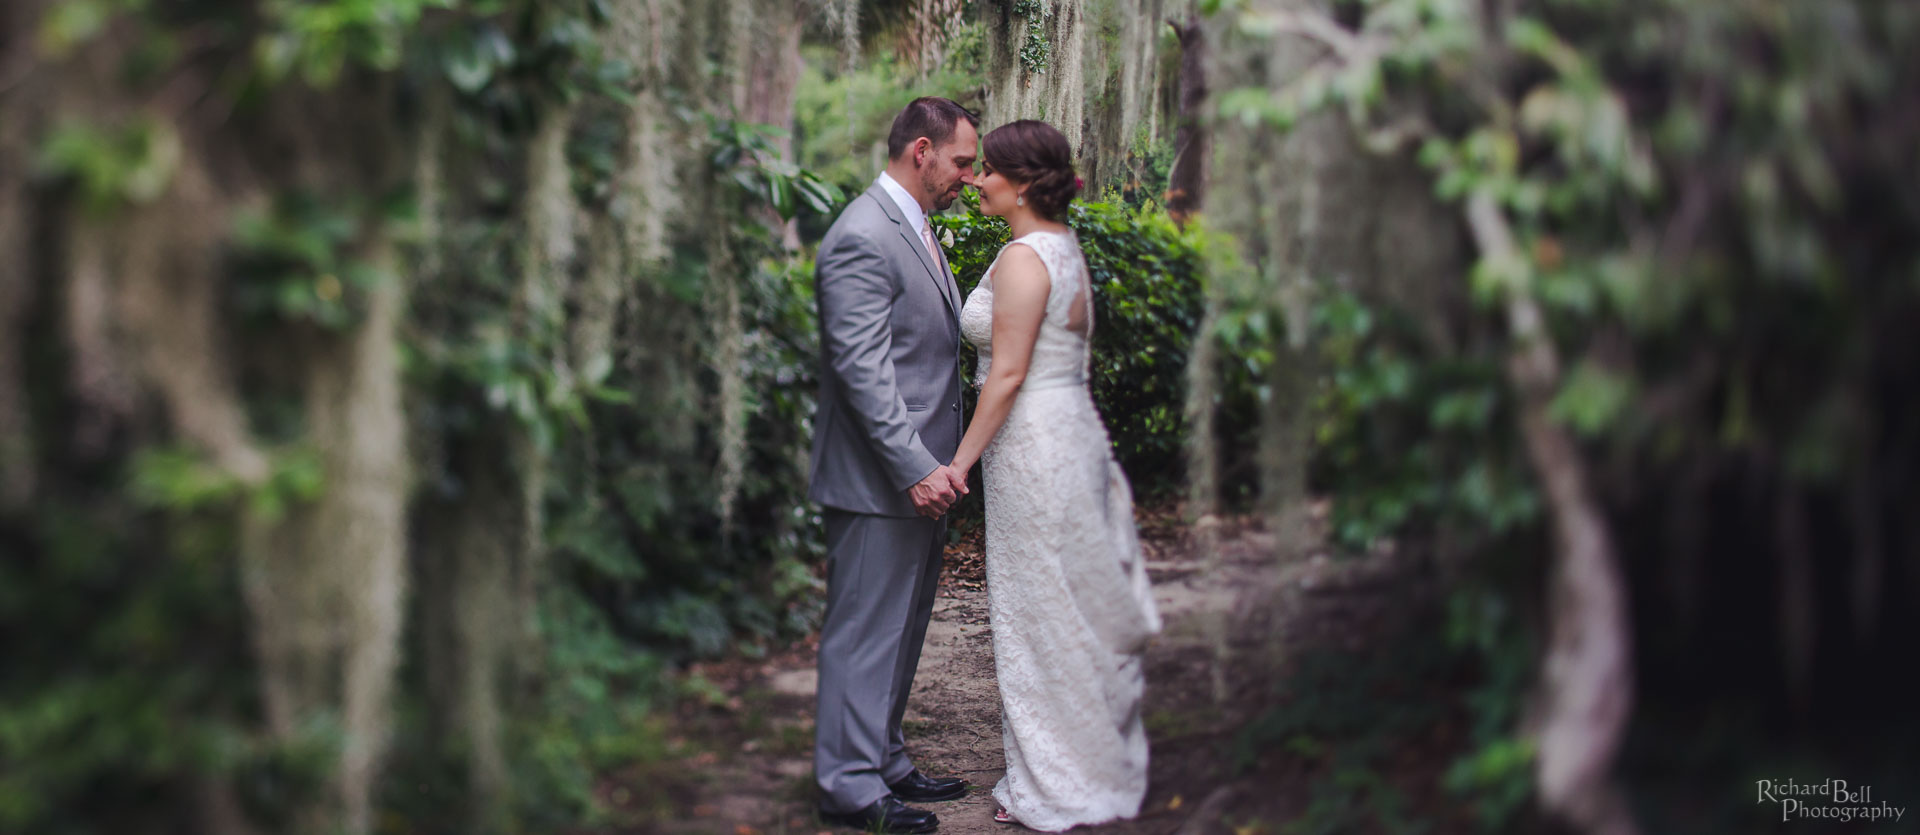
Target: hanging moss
[
  {"x": 849, "y": 17},
  {"x": 1092, "y": 68},
  {"x": 451, "y": 375}
]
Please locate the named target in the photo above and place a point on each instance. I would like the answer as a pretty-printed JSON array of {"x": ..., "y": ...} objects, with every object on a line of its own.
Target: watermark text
[{"x": 1828, "y": 799}]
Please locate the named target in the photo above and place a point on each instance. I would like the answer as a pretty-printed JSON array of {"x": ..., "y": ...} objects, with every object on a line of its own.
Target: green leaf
[
  {"x": 69, "y": 23},
  {"x": 1250, "y": 105},
  {"x": 468, "y": 70},
  {"x": 780, "y": 193},
  {"x": 1591, "y": 398}
]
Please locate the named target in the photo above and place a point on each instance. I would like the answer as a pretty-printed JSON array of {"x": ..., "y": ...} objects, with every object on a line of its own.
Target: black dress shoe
[
  {"x": 919, "y": 788},
  {"x": 887, "y": 816}
]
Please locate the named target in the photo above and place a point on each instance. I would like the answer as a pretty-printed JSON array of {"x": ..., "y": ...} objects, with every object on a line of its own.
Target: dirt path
[{"x": 754, "y": 775}]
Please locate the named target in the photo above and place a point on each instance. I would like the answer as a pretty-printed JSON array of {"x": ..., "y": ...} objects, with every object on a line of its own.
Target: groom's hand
[{"x": 934, "y": 494}]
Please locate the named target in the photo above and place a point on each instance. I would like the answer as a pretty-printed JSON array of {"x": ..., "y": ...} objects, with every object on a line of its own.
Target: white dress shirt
[{"x": 909, "y": 209}]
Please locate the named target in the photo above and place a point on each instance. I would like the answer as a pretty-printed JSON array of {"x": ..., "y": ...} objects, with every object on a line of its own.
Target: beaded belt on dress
[
  {"x": 1053, "y": 383},
  {"x": 1042, "y": 385}
]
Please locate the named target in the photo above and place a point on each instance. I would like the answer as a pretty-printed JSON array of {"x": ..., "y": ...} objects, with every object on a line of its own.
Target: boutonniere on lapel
[{"x": 946, "y": 238}]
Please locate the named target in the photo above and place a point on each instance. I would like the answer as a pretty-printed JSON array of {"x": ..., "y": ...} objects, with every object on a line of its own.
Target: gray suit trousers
[{"x": 882, "y": 572}]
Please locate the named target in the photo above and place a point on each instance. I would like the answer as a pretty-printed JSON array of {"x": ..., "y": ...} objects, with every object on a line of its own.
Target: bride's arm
[{"x": 1019, "y": 303}]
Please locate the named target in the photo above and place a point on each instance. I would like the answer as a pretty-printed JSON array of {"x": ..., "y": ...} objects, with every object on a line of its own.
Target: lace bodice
[{"x": 1060, "y": 356}]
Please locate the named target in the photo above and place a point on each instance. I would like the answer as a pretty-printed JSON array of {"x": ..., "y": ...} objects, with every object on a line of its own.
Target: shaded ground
[{"x": 750, "y": 767}]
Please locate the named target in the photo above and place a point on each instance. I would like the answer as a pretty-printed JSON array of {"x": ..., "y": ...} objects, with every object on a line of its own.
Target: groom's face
[{"x": 946, "y": 168}]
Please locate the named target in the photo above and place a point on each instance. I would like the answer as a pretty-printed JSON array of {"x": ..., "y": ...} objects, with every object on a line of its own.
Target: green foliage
[
  {"x": 602, "y": 713},
  {"x": 112, "y": 167},
  {"x": 1150, "y": 162},
  {"x": 1408, "y": 439},
  {"x": 1346, "y": 717},
  {"x": 641, "y": 557},
  {"x": 510, "y": 63},
  {"x": 1500, "y": 776},
  {"x": 1699, "y": 199},
  {"x": 966, "y": 51},
  {"x": 471, "y": 57},
  {"x": 695, "y": 585},
  {"x": 1036, "y": 49},
  {"x": 1592, "y": 399},
  {"x": 1497, "y": 773},
  {"x": 182, "y": 481},
  {"x": 1147, "y": 306},
  {"x": 298, "y": 260},
  {"x": 751, "y": 161},
  {"x": 71, "y": 23},
  {"x": 135, "y": 687},
  {"x": 318, "y": 41},
  {"x": 843, "y": 117},
  {"x": 128, "y": 668}
]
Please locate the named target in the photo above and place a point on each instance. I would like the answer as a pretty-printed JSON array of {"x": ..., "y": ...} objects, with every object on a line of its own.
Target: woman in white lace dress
[{"x": 1067, "y": 588}]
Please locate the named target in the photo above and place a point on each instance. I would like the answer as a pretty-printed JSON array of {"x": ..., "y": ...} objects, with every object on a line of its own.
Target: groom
[{"x": 889, "y": 416}]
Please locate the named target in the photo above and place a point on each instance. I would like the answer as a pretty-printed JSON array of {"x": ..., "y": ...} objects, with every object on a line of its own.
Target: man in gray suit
[{"x": 886, "y": 429}]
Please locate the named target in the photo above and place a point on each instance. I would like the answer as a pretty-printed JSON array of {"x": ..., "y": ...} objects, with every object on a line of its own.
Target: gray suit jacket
[{"x": 889, "y": 401}]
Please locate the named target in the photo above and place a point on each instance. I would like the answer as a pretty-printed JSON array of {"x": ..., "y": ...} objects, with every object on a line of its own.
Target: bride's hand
[{"x": 958, "y": 478}]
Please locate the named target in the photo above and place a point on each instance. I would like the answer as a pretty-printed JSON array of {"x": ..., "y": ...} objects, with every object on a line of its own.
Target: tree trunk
[
  {"x": 1056, "y": 94},
  {"x": 326, "y": 585},
  {"x": 326, "y": 581},
  {"x": 17, "y": 467},
  {"x": 772, "y": 79},
  {"x": 1587, "y": 675},
  {"x": 1187, "y": 183}
]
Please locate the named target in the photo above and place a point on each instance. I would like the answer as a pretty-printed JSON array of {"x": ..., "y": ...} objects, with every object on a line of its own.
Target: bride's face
[{"x": 997, "y": 193}]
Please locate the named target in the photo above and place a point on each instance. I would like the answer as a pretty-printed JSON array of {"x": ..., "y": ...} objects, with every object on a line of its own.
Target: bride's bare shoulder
[
  {"x": 1019, "y": 256},
  {"x": 1019, "y": 268}
]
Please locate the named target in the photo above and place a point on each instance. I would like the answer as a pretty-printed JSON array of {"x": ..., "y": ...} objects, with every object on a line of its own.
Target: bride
[{"x": 1067, "y": 588}]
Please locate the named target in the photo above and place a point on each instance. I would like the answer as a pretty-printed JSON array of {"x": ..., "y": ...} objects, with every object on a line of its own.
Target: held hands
[{"x": 938, "y": 491}]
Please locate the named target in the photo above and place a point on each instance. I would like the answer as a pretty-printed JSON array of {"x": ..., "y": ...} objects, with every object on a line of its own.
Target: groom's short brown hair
[{"x": 930, "y": 116}]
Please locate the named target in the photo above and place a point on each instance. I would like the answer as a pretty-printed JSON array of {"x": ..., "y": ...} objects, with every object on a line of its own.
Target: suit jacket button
[{"x": 956, "y": 407}]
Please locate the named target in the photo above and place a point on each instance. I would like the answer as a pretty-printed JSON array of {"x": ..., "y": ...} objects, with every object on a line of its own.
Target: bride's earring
[{"x": 1020, "y": 200}]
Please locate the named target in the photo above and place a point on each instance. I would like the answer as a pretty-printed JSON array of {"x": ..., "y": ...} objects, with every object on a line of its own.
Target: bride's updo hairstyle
[{"x": 1034, "y": 154}]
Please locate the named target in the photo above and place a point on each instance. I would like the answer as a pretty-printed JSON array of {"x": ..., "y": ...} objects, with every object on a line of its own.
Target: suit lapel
[{"x": 936, "y": 271}]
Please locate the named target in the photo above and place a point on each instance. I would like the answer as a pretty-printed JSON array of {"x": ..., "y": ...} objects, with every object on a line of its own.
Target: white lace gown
[{"x": 1070, "y": 603}]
